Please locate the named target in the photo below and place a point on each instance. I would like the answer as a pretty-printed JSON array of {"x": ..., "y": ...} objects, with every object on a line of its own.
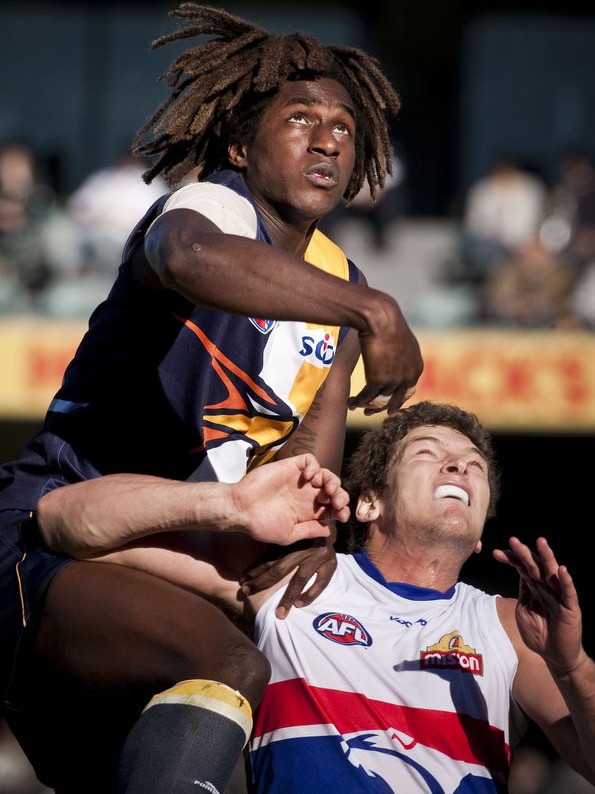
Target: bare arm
[
  {"x": 322, "y": 431},
  {"x": 555, "y": 681},
  {"x": 242, "y": 276},
  {"x": 282, "y": 502}
]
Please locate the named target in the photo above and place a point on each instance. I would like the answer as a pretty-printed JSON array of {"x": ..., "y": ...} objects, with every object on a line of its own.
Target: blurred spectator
[
  {"x": 583, "y": 297},
  {"x": 44, "y": 266},
  {"x": 570, "y": 222},
  {"x": 107, "y": 205},
  {"x": 502, "y": 211},
  {"x": 58, "y": 257},
  {"x": 379, "y": 214},
  {"x": 26, "y": 202},
  {"x": 451, "y": 301},
  {"x": 530, "y": 288}
]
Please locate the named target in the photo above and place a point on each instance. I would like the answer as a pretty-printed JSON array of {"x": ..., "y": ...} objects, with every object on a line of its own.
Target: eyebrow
[
  {"x": 436, "y": 440},
  {"x": 308, "y": 100}
]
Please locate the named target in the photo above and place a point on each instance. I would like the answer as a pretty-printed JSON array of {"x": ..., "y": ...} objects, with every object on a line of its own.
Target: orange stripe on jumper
[{"x": 218, "y": 356}]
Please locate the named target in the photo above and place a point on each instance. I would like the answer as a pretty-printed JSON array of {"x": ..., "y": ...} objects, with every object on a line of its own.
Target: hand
[
  {"x": 288, "y": 500},
  {"x": 393, "y": 365},
  {"x": 317, "y": 558},
  {"x": 548, "y": 612}
]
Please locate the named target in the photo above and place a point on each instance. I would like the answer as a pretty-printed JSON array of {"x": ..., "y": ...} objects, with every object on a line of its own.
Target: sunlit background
[{"x": 478, "y": 81}]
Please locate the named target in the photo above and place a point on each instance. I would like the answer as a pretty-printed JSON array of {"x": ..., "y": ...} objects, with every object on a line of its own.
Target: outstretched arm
[
  {"x": 191, "y": 255},
  {"x": 549, "y": 622},
  {"x": 282, "y": 502}
]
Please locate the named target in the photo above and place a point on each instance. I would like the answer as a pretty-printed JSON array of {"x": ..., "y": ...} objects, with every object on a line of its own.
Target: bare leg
[{"x": 110, "y": 639}]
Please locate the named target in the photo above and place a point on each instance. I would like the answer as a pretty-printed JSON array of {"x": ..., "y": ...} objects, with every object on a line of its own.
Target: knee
[{"x": 248, "y": 671}]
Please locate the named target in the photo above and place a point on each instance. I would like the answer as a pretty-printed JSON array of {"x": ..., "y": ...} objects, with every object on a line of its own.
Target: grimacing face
[{"x": 437, "y": 483}]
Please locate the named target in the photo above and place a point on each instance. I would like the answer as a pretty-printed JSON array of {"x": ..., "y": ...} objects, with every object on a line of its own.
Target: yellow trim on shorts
[{"x": 19, "y": 581}]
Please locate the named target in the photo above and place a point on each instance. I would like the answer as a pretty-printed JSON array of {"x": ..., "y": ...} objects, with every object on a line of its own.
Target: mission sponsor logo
[
  {"x": 450, "y": 652},
  {"x": 343, "y": 629}
]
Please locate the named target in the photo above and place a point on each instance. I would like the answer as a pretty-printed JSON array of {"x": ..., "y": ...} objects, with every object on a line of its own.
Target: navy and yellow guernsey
[{"x": 161, "y": 386}]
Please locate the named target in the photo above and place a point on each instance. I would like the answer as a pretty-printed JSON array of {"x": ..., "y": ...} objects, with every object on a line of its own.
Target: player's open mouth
[
  {"x": 453, "y": 491},
  {"x": 323, "y": 174}
]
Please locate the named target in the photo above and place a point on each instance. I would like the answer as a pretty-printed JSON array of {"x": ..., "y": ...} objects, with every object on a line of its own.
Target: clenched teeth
[{"x": 453, "y": 491}]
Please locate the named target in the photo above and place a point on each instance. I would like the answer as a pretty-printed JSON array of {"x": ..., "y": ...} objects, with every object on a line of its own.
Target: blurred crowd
[
  {"x": 59, "y": 253},
  {"x": 524, "y": 252},
  {"x": 525, "y": 256}
]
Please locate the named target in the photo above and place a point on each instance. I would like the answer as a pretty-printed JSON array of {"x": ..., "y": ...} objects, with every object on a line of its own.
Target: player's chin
[{"x": 320, "y": 203}]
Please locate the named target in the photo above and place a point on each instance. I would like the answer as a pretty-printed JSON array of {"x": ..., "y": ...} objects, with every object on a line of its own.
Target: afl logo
[{"x": 344, "y": 629}]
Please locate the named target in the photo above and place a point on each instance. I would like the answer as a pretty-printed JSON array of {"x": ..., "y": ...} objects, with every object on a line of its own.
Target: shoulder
[
  {"x": 327, "y": 255},
  {"x": 506, "y": 608},
  {"x": 233, "y": 213}
]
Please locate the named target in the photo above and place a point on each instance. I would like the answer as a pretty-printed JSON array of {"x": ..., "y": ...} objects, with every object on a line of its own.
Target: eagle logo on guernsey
[
  {"x": 450, "y": 652},
  {"x": 264, "y": 326},
  {"x": 343, "y": 629}
]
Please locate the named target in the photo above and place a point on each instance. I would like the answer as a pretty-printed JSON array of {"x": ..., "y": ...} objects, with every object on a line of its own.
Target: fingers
[
  {"x": 519, "y": 555},
  {"x": 265, "y": 575},
  {"x": 307, "y": 530},
  {"x": 374, "y": 400},
  {"x": 296, "y": 595},
  {"x": 338, "y": 500},
  {"x": 331, "y": 495},
  {"x": 342, "y": 513},
  {"x": 307, "y": 464},
  {"x": 324, "y": 574},
  {"x": 292, "y": 596},
  {"x": 539, "y": 565},
  {"x": 380, "y": 401}
]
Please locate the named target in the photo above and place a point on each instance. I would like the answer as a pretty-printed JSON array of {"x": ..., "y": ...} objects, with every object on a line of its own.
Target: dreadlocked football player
[{"x": 227, "y": 342}]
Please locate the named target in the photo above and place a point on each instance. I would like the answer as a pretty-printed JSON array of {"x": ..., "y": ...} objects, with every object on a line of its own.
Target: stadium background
[{"x": 475, "y": 78}]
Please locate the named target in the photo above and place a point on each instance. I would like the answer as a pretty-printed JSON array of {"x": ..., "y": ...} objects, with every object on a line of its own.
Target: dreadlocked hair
[{"x": 221, "y": 86}]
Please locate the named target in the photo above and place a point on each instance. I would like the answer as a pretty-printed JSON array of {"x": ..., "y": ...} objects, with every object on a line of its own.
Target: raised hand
[
  {"x": 289, "y": 500},
  {"x": 548, "y": 612},
  {"x": 392, "y": 363}
]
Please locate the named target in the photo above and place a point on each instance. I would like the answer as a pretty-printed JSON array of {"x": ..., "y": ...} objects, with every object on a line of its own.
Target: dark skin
[
  {"x": 112, "y": 635},
  {"x": 311, "y": 124},
  {"x": 297, "y": 166}
]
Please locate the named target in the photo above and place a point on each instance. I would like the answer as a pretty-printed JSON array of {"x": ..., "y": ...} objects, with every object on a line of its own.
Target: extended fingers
[
  {"x": 519, "y": 556},
  {"x": 380, "y": 401},
  {"x": 388, "y": 398},
  {"x": 539, "y": 565},
  {"x": 373, "y": 402},
  {"x": 530, "y": 561}
]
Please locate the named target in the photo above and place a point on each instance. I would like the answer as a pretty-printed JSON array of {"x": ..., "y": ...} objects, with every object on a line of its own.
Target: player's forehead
[
  {"x": 440, "y": 436},
  {"x": 322, "y": 90}
]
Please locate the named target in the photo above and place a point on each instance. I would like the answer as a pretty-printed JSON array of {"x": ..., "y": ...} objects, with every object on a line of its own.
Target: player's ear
[
  {"x": 237, "y": 154},
  {"x": 367, "y": 508}
]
